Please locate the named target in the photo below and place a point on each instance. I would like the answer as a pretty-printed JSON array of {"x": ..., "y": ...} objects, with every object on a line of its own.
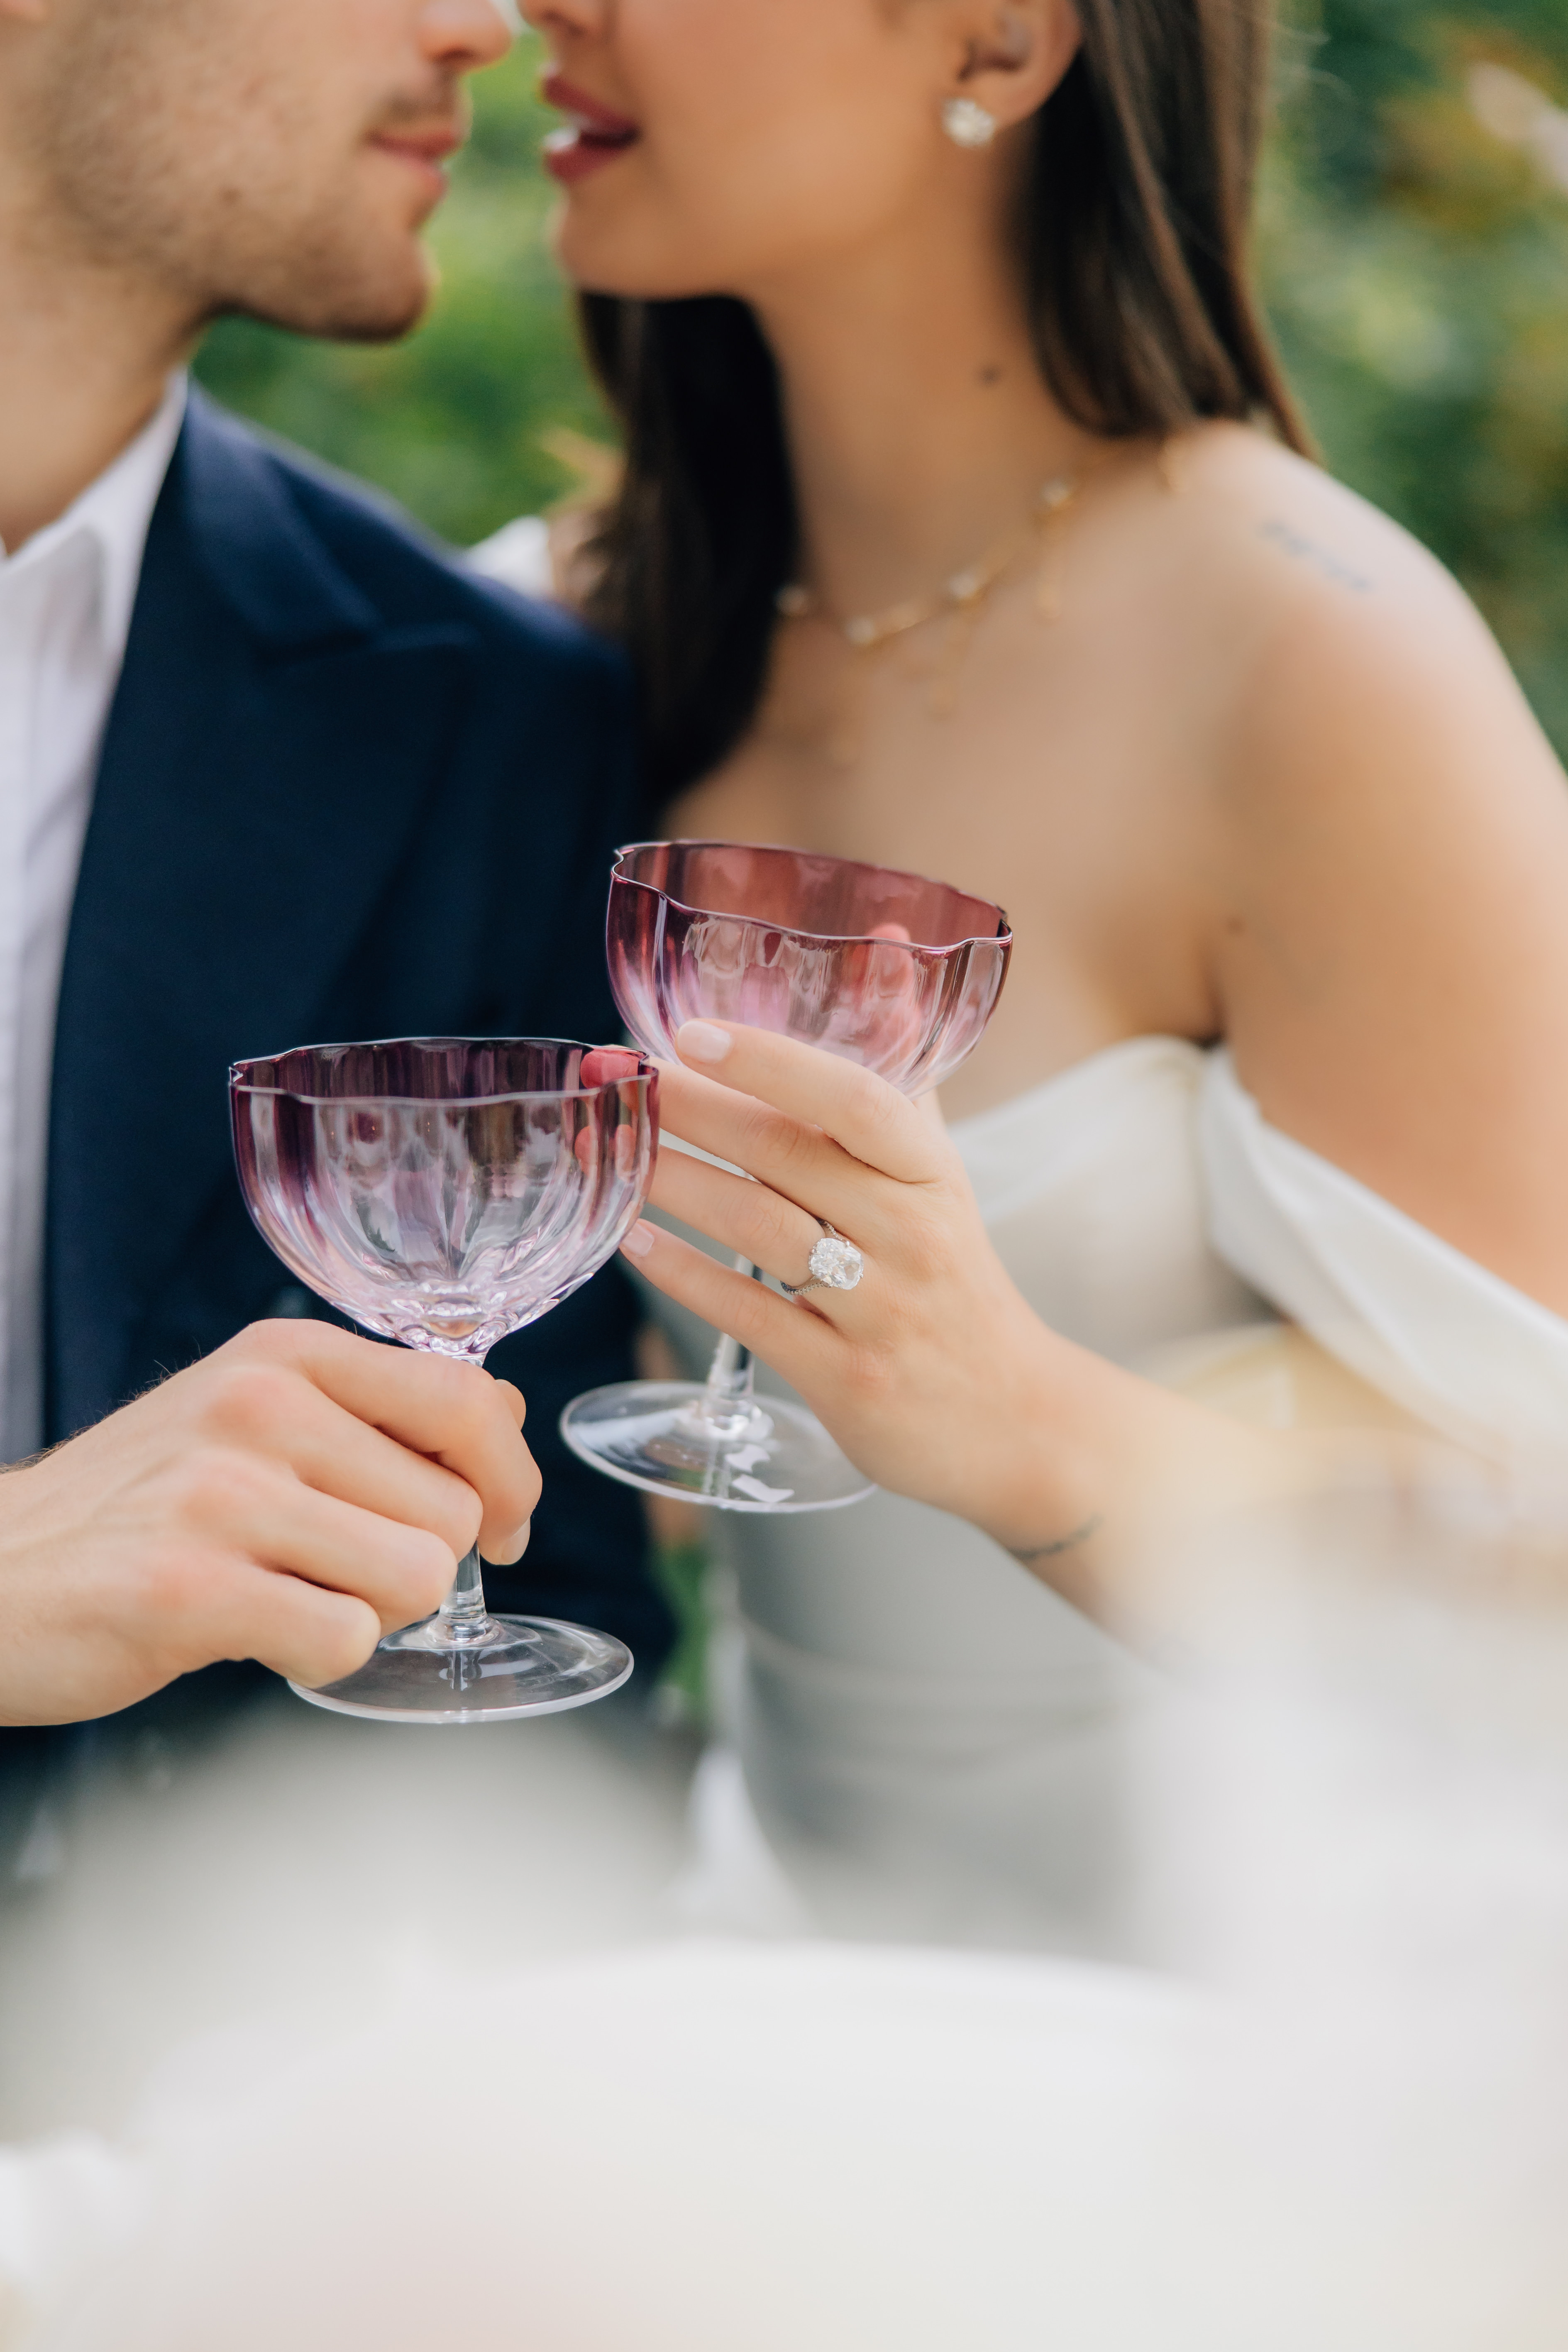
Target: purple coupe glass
[
  {"x": 444, "y": 1192},
  {"x": 886, "y": 969}
]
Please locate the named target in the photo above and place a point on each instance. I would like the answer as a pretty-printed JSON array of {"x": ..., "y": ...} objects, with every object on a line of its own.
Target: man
[{"x": 270, "y": 771}]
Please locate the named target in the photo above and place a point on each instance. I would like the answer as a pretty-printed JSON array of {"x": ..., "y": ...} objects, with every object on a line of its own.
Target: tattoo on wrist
[
  {"x": 1301, "y": 550},
  {"x": 1031, "y": 1555}
]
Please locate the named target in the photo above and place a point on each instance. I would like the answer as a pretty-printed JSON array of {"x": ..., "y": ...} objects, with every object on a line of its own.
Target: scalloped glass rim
[
  {"x": 240, "y": 1084},
  {"x": 1004, "y": 929}
]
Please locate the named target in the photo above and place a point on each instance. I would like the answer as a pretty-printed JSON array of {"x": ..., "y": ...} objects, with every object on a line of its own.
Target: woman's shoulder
[
  {"x": 1389, "y": 861},
  {"x": 1277, "y": 540},
  {"x": 1349, "y": 650}
]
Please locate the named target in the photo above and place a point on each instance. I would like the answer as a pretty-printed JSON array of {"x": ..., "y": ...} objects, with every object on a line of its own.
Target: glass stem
[
  {"x": 727, "y": 1398},
  {"x": 463, "y": 1615}
]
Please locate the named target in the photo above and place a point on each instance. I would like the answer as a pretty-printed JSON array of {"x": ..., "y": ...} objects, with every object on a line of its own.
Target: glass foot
[
  {"x": 520, "y": 1666},
  {"x": 769, "y": 1454}
]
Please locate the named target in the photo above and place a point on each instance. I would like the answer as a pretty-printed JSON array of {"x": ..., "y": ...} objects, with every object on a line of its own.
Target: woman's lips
[{"x": 596, "y": 135}]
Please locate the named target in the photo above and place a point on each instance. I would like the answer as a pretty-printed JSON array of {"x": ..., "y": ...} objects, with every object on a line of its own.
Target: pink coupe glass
[
  {"x": 886, "y": 969},
  {"x": 444, "y": 1192}
]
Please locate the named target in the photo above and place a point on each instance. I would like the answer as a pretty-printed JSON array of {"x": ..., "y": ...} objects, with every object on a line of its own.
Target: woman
[{"x": 968, "y": 526}]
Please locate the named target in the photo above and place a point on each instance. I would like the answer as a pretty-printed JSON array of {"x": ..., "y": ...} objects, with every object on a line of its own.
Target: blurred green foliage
[
  {"x": 1416, "y": 262},
  {"x": 1416, "y": 266}
]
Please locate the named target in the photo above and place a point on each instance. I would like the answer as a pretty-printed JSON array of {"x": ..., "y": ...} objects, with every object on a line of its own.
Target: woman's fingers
[
  {"x": 797, "y": 1345},
  {"x": 871, "y": 1119},
  {"x": 607, "y": 1064},
  {"x": 751, "y": 1219},
  {"x": 798, "y": 1161}
]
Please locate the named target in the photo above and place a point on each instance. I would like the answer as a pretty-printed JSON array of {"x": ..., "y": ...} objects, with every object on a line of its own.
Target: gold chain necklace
[{"x": 961, "y": 600}]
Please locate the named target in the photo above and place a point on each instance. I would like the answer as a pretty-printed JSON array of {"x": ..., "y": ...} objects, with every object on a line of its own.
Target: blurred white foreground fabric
[
  {"x": 1355, "y": 2135},
  {"x": 695, "y": 2150}
]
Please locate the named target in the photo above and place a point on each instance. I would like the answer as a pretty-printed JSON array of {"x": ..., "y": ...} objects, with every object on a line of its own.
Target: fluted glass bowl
[{"x": 884, "y": 967}]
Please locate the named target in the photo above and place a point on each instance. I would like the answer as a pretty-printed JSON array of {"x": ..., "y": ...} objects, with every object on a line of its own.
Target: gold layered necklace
[{"x": 960, "y": 600}]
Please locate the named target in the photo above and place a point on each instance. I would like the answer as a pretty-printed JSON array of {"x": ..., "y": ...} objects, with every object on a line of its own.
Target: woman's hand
[{"x": 934, "y": 1373}]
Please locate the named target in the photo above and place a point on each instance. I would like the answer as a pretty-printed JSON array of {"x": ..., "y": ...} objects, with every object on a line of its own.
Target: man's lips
[
  {"x": 596, "y": 135},
  {"x": 426, "y": 150}
]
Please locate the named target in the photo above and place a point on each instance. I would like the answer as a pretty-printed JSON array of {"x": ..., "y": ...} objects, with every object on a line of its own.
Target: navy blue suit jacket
[{"x": 347, "y": 791}]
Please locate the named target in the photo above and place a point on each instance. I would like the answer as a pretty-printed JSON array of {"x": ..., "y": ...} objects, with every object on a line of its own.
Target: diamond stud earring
[{"x": 968, "y": 124}]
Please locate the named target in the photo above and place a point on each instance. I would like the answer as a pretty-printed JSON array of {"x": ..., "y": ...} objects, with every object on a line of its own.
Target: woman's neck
[{"x": 920, "y": 429}]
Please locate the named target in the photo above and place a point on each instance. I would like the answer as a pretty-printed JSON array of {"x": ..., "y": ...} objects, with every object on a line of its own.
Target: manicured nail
[
  {"x": 702, "y": 1041},
  {"x": 639, "y": 1241}
]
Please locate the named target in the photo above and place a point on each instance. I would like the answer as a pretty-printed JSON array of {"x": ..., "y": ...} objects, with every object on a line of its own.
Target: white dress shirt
[{"x": 66, "y": 600}]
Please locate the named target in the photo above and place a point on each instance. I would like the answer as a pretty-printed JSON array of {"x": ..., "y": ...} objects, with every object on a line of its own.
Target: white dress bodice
[
  {"x": 932, "y": 1742},
  {"x": 929, "y": 1735}
]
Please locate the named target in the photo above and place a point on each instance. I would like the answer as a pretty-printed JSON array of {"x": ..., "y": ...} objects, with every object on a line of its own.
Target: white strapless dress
[{"x": 917, "y": 1738}]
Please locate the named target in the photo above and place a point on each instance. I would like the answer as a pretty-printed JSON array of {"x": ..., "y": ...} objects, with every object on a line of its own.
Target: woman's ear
[{"x": 1017, "y": 53}]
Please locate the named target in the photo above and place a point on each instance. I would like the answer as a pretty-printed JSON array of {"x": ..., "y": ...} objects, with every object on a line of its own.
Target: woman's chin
[{"x": 598, "y": 264}]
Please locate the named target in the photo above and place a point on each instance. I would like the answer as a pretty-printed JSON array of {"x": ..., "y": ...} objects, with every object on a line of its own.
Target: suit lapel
[{"x": 270, "y": 747}]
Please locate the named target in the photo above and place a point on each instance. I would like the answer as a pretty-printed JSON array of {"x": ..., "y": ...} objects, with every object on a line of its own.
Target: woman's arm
[{"x": 934, "y": 1374}]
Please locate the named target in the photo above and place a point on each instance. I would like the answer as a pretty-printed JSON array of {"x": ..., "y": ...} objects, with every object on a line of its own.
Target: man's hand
[{"x": 290, "y": 1499}]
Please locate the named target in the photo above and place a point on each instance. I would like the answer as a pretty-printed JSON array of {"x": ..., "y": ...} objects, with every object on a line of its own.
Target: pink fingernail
[
  {"x": 702, "y": 1041},
  {"x": 639, "y": 1241}
]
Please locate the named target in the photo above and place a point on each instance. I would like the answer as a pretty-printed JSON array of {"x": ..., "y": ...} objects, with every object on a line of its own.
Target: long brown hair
[{"x": 1133, "y": 240}]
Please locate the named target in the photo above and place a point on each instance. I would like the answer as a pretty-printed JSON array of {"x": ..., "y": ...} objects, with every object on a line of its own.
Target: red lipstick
[{"x": 593, "y": 137}]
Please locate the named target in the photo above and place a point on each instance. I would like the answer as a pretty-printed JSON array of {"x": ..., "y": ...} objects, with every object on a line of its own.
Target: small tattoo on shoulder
[
  {"x": 1302, "y": 549},
  {"x": 1031, "y": 1554}
]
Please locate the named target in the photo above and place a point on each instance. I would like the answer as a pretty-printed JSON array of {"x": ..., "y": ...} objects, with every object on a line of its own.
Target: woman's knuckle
[
  {"x": 869, "y": 1100},
  {"x": 932, "y": 1250},
  {"x": 800, "y": 1153},
  {"x": 866, "y": 1373},
  {"x": 759, "y": 1134},
  {"x": 776, "y": 1223},
  {"x": 752, "y": 1317}
]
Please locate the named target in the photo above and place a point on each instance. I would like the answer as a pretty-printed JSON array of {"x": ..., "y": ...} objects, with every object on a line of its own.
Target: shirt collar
[{"x": 116, "y": 511}]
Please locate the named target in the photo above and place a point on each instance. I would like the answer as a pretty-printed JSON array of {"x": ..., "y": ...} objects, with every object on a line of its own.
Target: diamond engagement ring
[{"x": 834, "y": 1265}]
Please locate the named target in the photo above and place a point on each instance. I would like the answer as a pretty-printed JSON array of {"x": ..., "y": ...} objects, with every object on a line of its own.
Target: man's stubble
[{"x": 173, "y": 143}]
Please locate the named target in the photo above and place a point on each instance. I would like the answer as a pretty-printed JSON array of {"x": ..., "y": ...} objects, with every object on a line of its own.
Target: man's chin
[
  {"x": 373, "y": 325},
  {"x": 345, "y": 304}
]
